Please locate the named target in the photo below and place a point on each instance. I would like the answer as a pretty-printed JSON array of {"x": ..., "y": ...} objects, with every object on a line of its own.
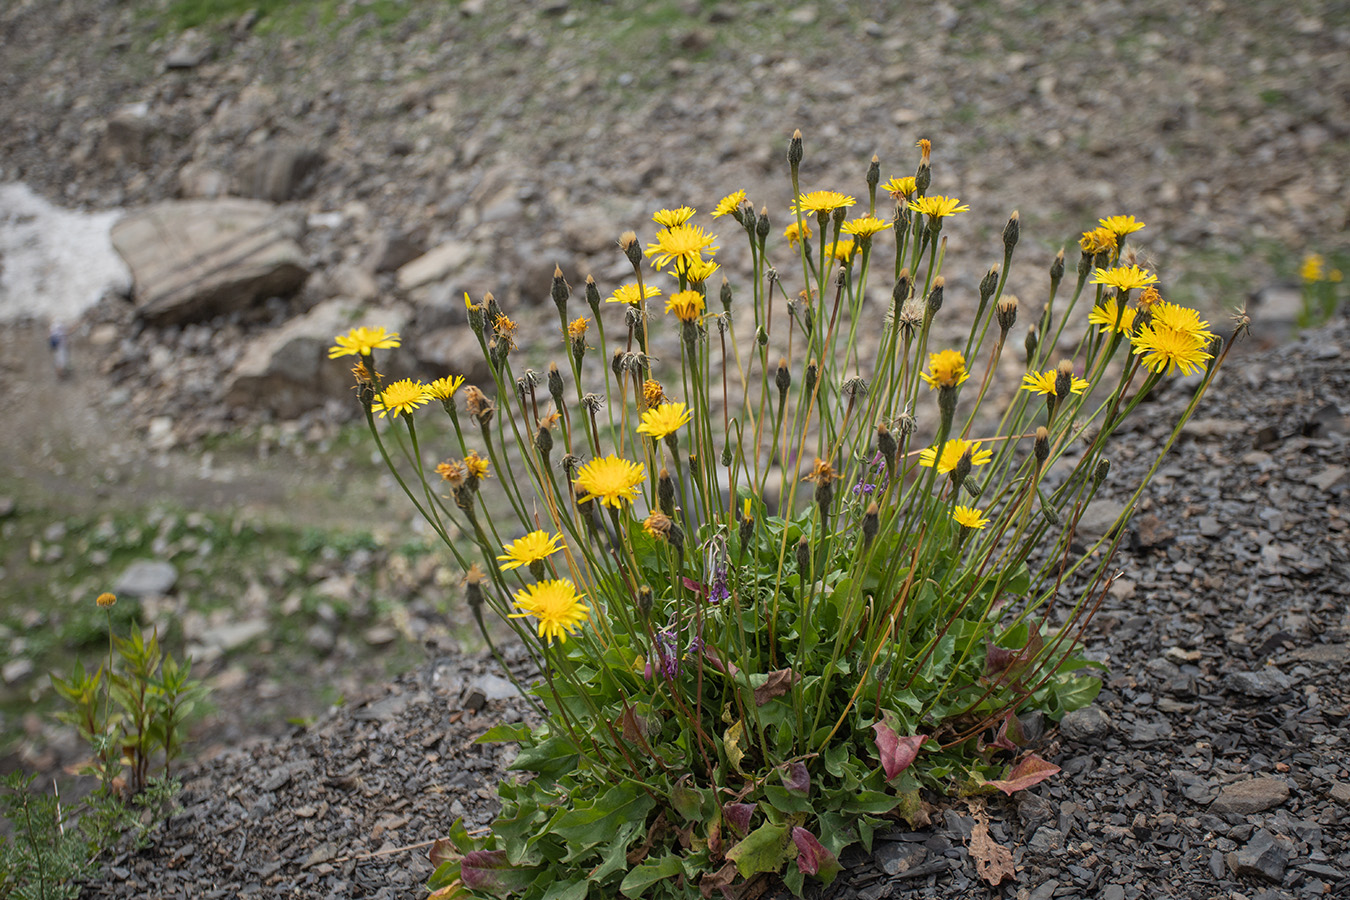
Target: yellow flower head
[
  {"x": 822, "y": 202},
  {"x": 695, "y": 272},
  {"x": 453, "y": 472},
  {"x": 1112, "y": 318},
  {"x": 1125, "y": 278},
  {"x": 1120, "y": 225},
  {"x": 360, "y": 341},
  {"x": 1044, "y": 383},
  {"x": 969, "y": 517},
  {"x": 925, "y": 148},
  {"x": 658, "y": 525},
  {"x": 611, "y": 480},
  {"x": 669, "y": 218},
  {"x": 105, "y": 600},
  {"x": 664, "y": 420},
  {"x": 937, "y": 206},
  {"x": 1181, "y": 318},
  {"x": 444, "y": 388},
  {"x": 686, "y": 242},
  {"x": 557, "y": 606},
  {"x": 628, "y": 293},
  {"x": 728, "y": 204},
  {"x": 652, "y": 393},
  {"x": 1148, "y": 297},
  {"x": 952, "y": 451},
  {"x": 945, "y": 369},
  {"x": 1098, "y": 240},
  {"x": 822, "y": 472},
  {"x": 1163, "y": 350},
  {"x": 533, "y": 547},
  {"x": 576, "y": 329},
  {"x": 841, "y": 251},
  {"x": 900, "y": 188},
  {"x": 1313, "y": 268},
  {"x": 506, "y": 330},
  {"x": 476, "y": 466},
  {"x": 550, "y": 421},
  {"x": 401, "y": 397},
  {"x": 866, "y": 226},
  {"x": 686, "y": 305},
  {"x": 793, "y": 235}
]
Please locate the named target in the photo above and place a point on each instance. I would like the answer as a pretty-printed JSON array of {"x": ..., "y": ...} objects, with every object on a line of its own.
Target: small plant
[
  {"x": 131, "y": 709},
  {"x": 774, "y": 587},
  {"x": 1321, "y": 290}
]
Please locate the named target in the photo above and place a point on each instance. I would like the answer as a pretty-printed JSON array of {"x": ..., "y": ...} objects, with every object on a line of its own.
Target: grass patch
[{"x": 287, "y": 17}]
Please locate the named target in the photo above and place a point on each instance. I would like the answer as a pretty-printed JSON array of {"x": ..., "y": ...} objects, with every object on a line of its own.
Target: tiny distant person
[{"x": 60, "y": 347}]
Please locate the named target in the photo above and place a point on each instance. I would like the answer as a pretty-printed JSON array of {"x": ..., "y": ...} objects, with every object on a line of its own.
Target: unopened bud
[
  {"x": 794, "y": 154},
  {"x": 628, "y": 243},
  {"x": 616, "y": 363},
  {"x": 1100, "y": 473},
  {"x": 1041, "y": 446},
  {"x": 1031, "y": 343},
  {"x": 887, "y": 445},
  {"x": 555, "y": 385},
  {"x": 923, "y": 178},
  {"x": 1064, "y": 379},
  {"x": 782, "y": 378},
  {"x": 804, "y": 557},
  {"x": 592, "y": 295},
  {"x": 901, "y": 292},
  {"x": 473, "y": 588},
  {"x": 665, "y": 492},
  {"x": 935, "y": 295},
  {"x": 1057, "y": 269},
  {"x": 962, "y": 469},
  {"x": 493, "y": 311},
  {"x": 726, "y": 293},
  {"x": 543, "y": 442},
  {"x": 1006, "y": 311},
  {"x": 762, "y": 224},
  {"x": 812, "y": 376},
  {"x": 988, "y": 284},
  {"x": 874, "y": 172},
  {"x": 871, "y": 523},
  {"x": 1011, "y": 232},
  {"x": 644, "y": 601},
  {"x": 560, "y": 290},
  {"x": 726, "y": 456},
  {"x": 762, "y": 336}
]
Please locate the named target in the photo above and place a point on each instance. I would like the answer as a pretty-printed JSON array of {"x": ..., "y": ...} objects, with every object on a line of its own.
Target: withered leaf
[
  {"x": 1031, "y": 770},
  {"x": 993, "y": 861},
  {"x": 779, "y": 682}
]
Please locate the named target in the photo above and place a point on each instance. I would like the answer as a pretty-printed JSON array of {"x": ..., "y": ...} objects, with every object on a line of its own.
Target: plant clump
[{"x": 776, "y": 586}]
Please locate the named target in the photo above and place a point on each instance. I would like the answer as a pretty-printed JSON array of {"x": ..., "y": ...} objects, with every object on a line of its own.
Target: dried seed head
[
  {"x": 569, "y": 464},
  {"x": 853, "y": 387},
  {"x": 592, "y": 402}
]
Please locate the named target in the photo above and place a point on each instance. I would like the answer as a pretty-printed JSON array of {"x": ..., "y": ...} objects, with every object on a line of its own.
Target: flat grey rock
[
  {"x": 1253, "y": 796},
  {"x": 146, "y": 578}
]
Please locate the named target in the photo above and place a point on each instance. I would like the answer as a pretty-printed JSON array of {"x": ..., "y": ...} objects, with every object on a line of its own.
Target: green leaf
[
  {"x": 597, "y": 822},
  {"x": 644, "y": 876},
  {"x": 504, "y": 733},
  {"x": 764, "y": 850},
  {"x": 551, "y": 758},
  {"x": 568, "y": 890},
  {"x": 1077, "y": 692}
]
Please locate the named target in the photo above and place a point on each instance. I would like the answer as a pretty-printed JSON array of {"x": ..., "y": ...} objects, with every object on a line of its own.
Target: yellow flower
[
  {"x": 1148, "y": 297},
  {"x": 669, "y": 218},
  {"x": 476, "y": 466},
  {"x": 557, "y": 606},
  {"x": 1098, "y": 240},
  {"x": 1163, "y": 349},
  {"x": 506, "y": 330},
  {"x": 1125, "y": 278},
  {"x": 658, "y": 525},
  {"x": 533, "y": 547},
  {"x": 1120, "y": 225},
  {"x": 937, "y": 206},
  {"x": 925, "y": 147},
  {"x": 841, "y": 251},
  {"x": 822, "y": 202},
  {"x": 952, "y": 451},
  {"x": 444, "y": 388},
  {"x": 686, "y": 242},
  {"x": 945, "y": 369},
  {"x": 866, "y": 226},
  {"x": 822, "y": 472},
  {"x": 696, "y": 272},
  {"x": 1044, "y": 383},
  {"x": 652, "y": 393},
  {"x": 664, "y": 420},
  {"x": 900, "y": 188},
  {"x": 969, "y": 517},
  {"x": 610, "y": 480},
  {"x": 686, "y": 305},
  {"x": 401, "y": 397},
  {"x": 452, "y": 471},
  {"x": 1107, "y": 315},
  {"x": 728, "y": 204},
  {"x": 105, "y": 600},
  {"x": 793, "y": 236},
  {"x": 1181, "y": 318},
  {"x": 360, "y": 341},
  {"x": 576, "y": 329},
  {"x": 628, "y": 293}
]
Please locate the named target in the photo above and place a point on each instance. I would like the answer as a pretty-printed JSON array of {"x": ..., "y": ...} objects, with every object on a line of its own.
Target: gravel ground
[{"x": 1213, "y": 764}]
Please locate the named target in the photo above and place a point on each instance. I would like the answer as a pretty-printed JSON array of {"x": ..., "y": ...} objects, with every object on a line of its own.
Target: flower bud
[
  {"x": 665, "y": 492},
  {"x": 560, "y": 290},
  {"x": 1100, "y": 473},
  {"x": 962, "y": 469},
  {"x": 644, "y": 601},
  {"x": 762, "y": 336},
  {"x": 592, "y": 295},
  {"x": 493, "y": 311},
  {"x": 1011, "y": 232},
  {"x": 1006, "y": 312},
  {"x": 747, "y": 528},
  {"x": 543, "y": 442},
  {"x": 1057, "y": 269},
  {"x": 988, "y": 284},
  {"x": 1041, "y": 446},
  {"x": 887, "y": 445},
  {"x": 555, "y": 385},
  {"x": 473, "y": 588},
  {"x": 812, "y": 376},
  {"x": 726, "y": 293},
  {"x": 871, "y": 523},
  {"x": 782, "y": 379},
  {"x": 726, "y": 456},
  {"x": 804, "y": 557},
  {"x": 1031, "y": 343},
  {"x": 901, "y": 291},
  {"x": 923, "y": 178},
  {"x": 616, "y": 363},
  {"x": 874, "y": 173},
  {"x": 628, "y": 243},
  {"x": 935, "y": 295},
  {"x": 1064, "y": 379},
  {"x": 762, "y": 225},
  {"x": 794, "y": 154}
]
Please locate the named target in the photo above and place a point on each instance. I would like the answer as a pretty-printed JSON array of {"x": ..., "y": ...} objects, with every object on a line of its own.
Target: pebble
[
  {"x": 146, "y": 578},
  {"x": 895, "y": 857},
  {"x": 1087, "y": 725},
  {"x": 1259, "y": 685},
  {"x": 1247, "y": 797},
  {"x": 1263, "y": 856}
]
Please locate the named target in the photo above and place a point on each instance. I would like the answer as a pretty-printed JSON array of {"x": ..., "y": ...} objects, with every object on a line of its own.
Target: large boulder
[
  {"x": 288, "y": 372},
  {"x": 194, "y": 259},
  {"x": 278, "y": 171}
]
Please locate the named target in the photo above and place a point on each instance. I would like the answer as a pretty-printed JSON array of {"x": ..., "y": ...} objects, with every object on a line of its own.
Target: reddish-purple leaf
[
  {"x": 738, "y": 816},
  {"x": 813, "y": 858},
  {"x": 779, "y": 682},
  {"x": 481, "y": 869},
  {"x": 1031, "y": 770},
  {"x": 897, "y": 753},
  {"x": 727, "y": 668},
  {"x": 795, "y": 778},
  {"x": 443, "y": 850},
  {"x": 999, "y": 659},
  {"x": 1009, "y": 735}
]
